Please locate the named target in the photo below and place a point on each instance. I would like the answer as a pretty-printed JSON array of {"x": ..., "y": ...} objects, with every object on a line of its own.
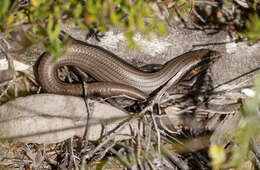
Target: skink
[{"x": 115, "y": 77}]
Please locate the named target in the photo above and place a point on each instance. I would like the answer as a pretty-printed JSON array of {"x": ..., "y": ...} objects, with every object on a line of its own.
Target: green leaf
[
  {"x": 67, "y": 5},
  {"x": 56, "y": 48},
  {"x": 83, "y": 26},
  {"x": 4, "y": 5},
  {"x": 181, "y": 2},
  {"x": 252, "y": 29},
  {"x": 78, "y": 10},
  {"x": 114, "y": 18},
  {"x": 171, "y": 13},
  {"x": 217, "y": 154},
  {"x": 92, "y": 6},
  {"x": 50, "y": 26},
  {"x": 57, "y": 30},
  {"x": 162, "y": 28},
  {"x": 139, "y": 4},
  {"x": 140, "y": 23},
  {"x": 57, "y": 12},
  {"x": 171, "y": 4}
]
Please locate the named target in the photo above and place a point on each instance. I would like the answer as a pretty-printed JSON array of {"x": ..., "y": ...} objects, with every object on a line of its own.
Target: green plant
[
  {"x": 183, "y": 7},
  {"x": 252, "y": 30},
  {"x": 248, "y": 129},
  {"x": 45, "y": 18}
]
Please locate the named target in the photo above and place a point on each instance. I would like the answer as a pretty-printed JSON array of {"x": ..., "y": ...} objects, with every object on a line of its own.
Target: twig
[
  {"x": 110, "y": 136},
  {"x": 215, "y": 4},
  {"x": 157, "y": 131},
  {"x": 105, "y": 151},
  {"x": 83, "y": 78},
  {"x": 213, "y": 44},
  {"x": 199, "y": 16},
  {"x": 121, "y": 158},
  {"x": 174, "y": 158},
  {"x": 10, "y": 66},
  {"x": 148, "y": 139},
  {"x": 91, "y": 153},
  {"x": 236, "y": 78},
  {"x": 138, "y": 150},
  {"x": 213, "y": 111},
  {"x": 150, "y": 164},
  {"x": 85, "y": 86},
  {"x": 72, "y": 152}
]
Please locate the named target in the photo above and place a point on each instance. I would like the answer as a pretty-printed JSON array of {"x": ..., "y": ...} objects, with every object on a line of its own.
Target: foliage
[
  {"x": 183, "y": 7},
  {"x": 45, "y": 18},
  {"x": 252, "y": 31},
  {"x": 248, "y": 130},
  {"x": 218, "y": 156}
]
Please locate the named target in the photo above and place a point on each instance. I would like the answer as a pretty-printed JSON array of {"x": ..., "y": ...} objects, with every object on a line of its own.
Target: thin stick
[{"x": 10, "y": 67}]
